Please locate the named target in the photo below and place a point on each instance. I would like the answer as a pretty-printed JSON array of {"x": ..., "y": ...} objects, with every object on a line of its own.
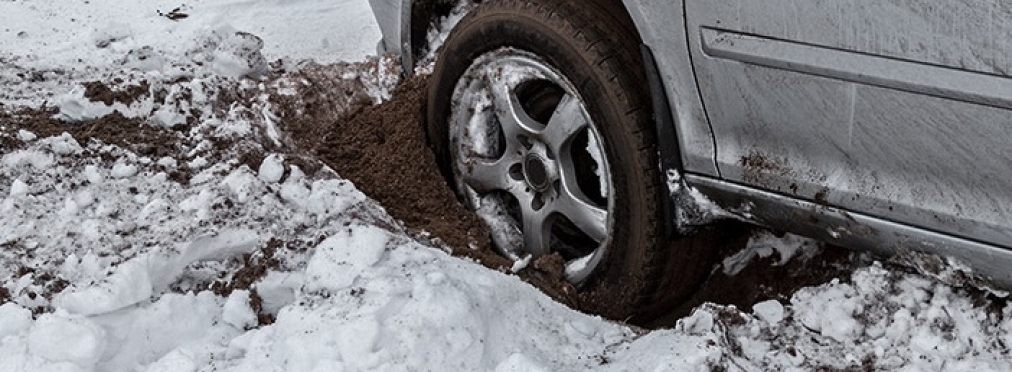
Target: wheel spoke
[
  {"x": 589, "y": 218},
  {"x": 537, "y": 231},
  {"x": 514, "y": 120},
  {"x": 508, "y": 238},
  {"x": 567, "y": 120},
  {"x": 484, "y": 176}
]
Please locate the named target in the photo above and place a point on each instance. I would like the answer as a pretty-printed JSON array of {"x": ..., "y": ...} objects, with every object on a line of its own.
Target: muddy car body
[{"x": 876, "y": 125}]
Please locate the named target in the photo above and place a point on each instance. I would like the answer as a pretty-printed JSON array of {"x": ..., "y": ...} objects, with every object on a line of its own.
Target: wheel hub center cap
[{"x": 536, "y": 172}]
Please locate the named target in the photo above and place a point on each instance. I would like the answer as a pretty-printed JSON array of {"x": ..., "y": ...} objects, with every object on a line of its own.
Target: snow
[
  {"x": 26, "y": 136},
  {"x": 14, "y": 319},
  {"x": 769, "y": 311},
  {"x": 694, "y": 208},
  {"x": 237, "y": 311},
  {"x": 112, "y": 265},
  {"x": 299, "y": 30},
  {"x": 63, "y": 338},
  {"x": 764, "y": 244},
  {"x": 272, "y": 169}
]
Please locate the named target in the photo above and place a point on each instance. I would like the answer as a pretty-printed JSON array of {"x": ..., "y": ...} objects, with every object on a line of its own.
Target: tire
[{"x": 509, "y": 71}]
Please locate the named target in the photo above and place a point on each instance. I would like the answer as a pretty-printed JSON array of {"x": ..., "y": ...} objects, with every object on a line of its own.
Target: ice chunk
[
  {"x": 237, "y": 310},
  {"x": 167, "y": 162},
  {"x": 92, "y": 174},
  {"x": 75, "y": 107},
  {"x": 168, "y": 117},
  {"x": 521, "y": 263},
  {"x": 242, "y": 183},
  {"x": 770, "y": 311},
  {"x": 764, "y": 244},
  {"x": 272, "y": 168},
  {"x": 26, "y": 136},
  {"x": 122, "y": 170},
  {"x": 19, "y": 188},
  {"x": 34, "y": 158},
  {"x": 238, "y": 54},
  {"x": 700, "y": 322},
  {"x": 64, "y": 144}
]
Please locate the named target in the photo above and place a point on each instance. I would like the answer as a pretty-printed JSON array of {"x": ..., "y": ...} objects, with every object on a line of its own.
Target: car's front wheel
[{"x": 539, "y": 113}]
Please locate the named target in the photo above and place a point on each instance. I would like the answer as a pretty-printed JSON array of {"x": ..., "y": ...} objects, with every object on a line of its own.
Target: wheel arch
[{"x": 417, "y": 15}]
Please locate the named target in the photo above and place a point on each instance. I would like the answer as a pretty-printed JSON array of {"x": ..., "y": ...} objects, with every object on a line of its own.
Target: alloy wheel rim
[{"x": 529, "y": 159}]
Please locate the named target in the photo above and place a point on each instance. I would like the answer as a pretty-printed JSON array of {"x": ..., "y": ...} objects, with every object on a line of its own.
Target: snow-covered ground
[{"x": 112, "y": 262}]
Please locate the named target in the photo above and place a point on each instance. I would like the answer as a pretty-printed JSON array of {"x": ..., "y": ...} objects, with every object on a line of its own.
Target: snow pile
[
  {"x": 143, "y": 256},
  {"x": 364, "y": 297},
  {"x": 881, "y": 320}
]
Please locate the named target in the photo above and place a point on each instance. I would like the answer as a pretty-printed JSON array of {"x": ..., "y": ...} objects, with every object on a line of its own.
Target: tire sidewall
[{"x": 619, "y": 275}]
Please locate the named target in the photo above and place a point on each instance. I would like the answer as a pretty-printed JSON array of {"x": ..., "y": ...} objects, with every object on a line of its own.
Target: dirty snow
[{"x": 108, "y": 260}]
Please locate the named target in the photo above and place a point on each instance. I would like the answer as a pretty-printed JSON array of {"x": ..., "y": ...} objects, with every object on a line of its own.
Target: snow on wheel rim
[{"x": 529, "y": 159}]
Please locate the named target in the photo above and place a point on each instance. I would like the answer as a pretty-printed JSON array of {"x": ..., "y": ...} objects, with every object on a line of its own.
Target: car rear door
[{"x": 897, "y": 109}]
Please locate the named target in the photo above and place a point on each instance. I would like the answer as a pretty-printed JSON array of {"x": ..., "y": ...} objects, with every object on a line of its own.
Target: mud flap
[{"x": 668, "y": 153}]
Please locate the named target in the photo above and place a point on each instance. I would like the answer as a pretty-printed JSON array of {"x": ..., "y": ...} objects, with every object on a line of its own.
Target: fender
[{"x": 662, "y": 27}]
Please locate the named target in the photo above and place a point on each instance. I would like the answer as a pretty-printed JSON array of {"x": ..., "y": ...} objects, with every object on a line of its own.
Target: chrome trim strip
[
  {"x": 851, "y": 229},
  {"x": 911, "y": 76}
]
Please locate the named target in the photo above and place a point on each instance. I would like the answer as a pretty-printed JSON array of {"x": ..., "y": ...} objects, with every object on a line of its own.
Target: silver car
[{"x": 606, "y": 131}]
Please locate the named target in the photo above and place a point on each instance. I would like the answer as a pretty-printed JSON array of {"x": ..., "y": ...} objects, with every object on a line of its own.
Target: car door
[{"x": 898, "y": 109}]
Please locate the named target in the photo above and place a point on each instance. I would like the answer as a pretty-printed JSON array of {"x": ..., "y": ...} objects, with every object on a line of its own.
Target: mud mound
[
  {"x": 382, "y": 150},
  {"x": 325, "y": 96}
]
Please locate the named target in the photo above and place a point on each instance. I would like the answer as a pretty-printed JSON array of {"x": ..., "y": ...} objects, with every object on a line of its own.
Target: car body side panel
[
  {"x": 974, "y": 35},
  {"x": 391, "y": 21},
  {"x": 662, "y": 27},
  {"x": 884, "y": 107}
]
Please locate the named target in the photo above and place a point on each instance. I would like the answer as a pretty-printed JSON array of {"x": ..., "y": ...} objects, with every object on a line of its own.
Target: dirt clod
[
  {"x": 255, "y": 266},
  {"x": 548, "y": 273},
  {"x": 5, "y": 295},
  {"x": 98, "y": 91}
]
